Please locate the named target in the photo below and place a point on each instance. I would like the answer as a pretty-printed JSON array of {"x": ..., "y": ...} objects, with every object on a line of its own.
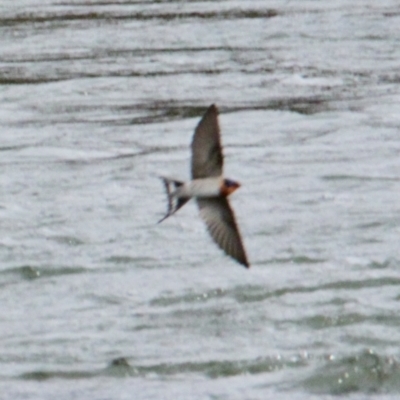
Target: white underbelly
[{"x": 207, "y": 187}]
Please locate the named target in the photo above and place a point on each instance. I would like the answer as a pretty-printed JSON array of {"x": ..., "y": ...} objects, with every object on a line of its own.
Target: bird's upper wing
[
  {"x": 222, "y": 226},
  {"x": 207, "y": 158}
]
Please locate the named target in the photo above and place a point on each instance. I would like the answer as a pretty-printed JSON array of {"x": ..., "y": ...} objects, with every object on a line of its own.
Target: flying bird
[{"x": 209, "y": 188}]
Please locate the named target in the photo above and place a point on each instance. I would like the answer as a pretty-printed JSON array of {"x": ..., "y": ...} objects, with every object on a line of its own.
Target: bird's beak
[{"x": 233, "y": 188}]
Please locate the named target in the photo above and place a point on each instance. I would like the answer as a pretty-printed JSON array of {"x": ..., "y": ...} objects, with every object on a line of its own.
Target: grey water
[{"x": 99, "y": 98}]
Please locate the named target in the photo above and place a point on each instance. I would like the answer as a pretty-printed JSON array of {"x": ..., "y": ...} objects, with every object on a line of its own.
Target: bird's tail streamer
[{"x": 174, "y": 202}]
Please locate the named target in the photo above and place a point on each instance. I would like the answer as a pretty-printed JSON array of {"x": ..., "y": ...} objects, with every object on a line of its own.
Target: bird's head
[{"x": 228, "y": 187}]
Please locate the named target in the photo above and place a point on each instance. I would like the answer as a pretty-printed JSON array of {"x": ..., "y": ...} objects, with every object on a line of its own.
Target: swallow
[{"x": 209, "y": 188}]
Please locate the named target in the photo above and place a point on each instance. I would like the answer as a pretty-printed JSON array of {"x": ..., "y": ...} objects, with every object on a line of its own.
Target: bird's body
[
  {"x": 209, "y": 187},
  {"x": 205, "y": 187}
]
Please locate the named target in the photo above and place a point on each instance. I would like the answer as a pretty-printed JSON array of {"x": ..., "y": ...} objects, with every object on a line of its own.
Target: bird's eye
[{"x": 229, "y": 183}]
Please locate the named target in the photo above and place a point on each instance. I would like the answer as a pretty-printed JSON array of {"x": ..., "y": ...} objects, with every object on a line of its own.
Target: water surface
[{"x": 99, "y": 98}]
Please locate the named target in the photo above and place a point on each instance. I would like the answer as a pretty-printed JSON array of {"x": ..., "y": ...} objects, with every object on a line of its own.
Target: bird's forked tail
[{"x": 174, "y": 202}]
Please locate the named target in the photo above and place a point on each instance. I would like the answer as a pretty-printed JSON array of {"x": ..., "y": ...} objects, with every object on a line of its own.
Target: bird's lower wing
[{"x": 221, "y": 223}]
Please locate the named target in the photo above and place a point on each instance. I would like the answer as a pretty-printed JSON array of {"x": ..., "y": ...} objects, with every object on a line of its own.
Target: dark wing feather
[
  {"x": 222, "y": 226},
  {"x": 207, "y": 158}
]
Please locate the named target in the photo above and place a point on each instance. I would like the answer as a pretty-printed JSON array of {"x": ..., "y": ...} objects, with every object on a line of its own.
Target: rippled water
[{"x": 99, "y": 98}]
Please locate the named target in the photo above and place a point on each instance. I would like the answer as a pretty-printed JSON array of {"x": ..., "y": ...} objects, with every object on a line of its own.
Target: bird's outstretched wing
[
  {"x": 207, "y": 158},
  {"x": 222, "y": 226}
]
